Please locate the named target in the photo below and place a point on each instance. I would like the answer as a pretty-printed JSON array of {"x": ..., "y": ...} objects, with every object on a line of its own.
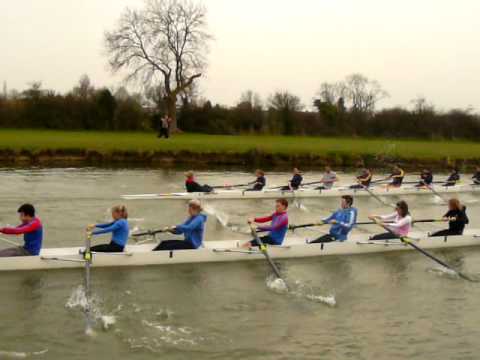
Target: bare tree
[
  {"x": 251, "y": 99},
  {"x": 165, "y": 43},
  {"x": 331, "y": 92},
  {"x": 285, "y": 101},
  {"x": 421, "y": 106},
  {"x": 363, "y": 93},
  {"x": 84, "y": 89}
]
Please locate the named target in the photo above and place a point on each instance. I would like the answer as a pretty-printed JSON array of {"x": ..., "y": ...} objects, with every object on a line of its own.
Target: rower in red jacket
[
  {"x": 278, "y": 226},
  {"x": 32, "y": 230}
]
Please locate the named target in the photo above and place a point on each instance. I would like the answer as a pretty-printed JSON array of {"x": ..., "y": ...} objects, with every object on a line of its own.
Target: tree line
[
  {"x": 346, "y": 108},
  {"x": 82, "y": 108}
]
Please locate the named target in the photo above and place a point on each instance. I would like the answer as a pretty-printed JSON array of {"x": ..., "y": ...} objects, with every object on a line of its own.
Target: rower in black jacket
[
  {"x": 476, "y": 176},
  {"x": 193, "y": 187},
  {"x": 457, "y": 219},
  {"x": 260, "y": 181},
  {"x": 426, "y": 179},
  {"x": 453, "y": 178},
  {"x": 295, "y": 182}
]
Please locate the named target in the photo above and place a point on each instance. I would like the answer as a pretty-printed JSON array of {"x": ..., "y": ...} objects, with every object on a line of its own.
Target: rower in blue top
[
  {"x": 118, "y": 228},
  {"x": 192, "y": 229},
  {"x": 342, "y": 221}
]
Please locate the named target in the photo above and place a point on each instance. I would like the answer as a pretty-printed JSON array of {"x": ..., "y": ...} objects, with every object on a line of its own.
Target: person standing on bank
[{"x": 165, "y": 127}]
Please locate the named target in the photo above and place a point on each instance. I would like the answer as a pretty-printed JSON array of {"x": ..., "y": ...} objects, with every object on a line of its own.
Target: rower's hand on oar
[
  {"x": 170, "y": 229},
  {"x": 333, "y": 222},
  {"x": 251, "y": 221},
  {"x": 90, "y": 227}
]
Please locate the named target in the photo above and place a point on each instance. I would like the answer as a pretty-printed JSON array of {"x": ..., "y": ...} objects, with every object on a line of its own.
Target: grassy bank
[{"x": 39, "y": 145}]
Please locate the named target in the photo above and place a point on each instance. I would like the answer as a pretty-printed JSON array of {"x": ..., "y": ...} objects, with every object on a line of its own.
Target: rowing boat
[
  {"x": 228, "y": 251},
  {"x": 306, "y": 193}
]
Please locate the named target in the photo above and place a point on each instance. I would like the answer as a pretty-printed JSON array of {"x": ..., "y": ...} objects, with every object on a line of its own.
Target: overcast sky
[{"x": 412, "y": 47}]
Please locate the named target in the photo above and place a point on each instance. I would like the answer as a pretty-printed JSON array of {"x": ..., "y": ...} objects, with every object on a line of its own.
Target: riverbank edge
[{"x": 251, "y": 159}]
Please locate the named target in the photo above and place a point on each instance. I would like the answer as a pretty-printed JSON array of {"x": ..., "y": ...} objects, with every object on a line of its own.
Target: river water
[{"x": 396, "y": 306}]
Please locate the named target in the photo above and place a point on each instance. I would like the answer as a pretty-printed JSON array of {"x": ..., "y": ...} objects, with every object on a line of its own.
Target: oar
[
  {"x": 312, "y": 183},
  {"x": 379, "y": 181},
  {"x": 87, "y": 257},
  {"x": 264, "y": 251},
  {"x": 435, "y": 192},
  {"x": 230, "y": 186},
  {"x": 295, "y": 227},
  {"x": 378, "y": 198},
  {"x": 418, "y": 182},
  {"x": 150, "y": 233},
  {"x": 9, "y": 242},
  {"x": 409, "y": 241}
]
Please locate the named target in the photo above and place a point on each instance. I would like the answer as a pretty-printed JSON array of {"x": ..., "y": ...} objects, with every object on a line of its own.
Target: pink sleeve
[
  {"x": 23, "y": 229},
  {"x": 263, "y": 219}
]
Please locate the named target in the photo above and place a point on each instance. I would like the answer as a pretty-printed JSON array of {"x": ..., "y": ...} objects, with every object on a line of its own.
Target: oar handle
[
  {"x": 230, "y": 186},
  {"x": 150, "y": 233}
]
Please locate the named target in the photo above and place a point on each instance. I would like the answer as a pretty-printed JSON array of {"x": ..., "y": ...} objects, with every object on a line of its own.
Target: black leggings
[
  {"x": 385, "y": 236},
  {"x": 267, "y": 240},
  {"x": 174, "y": 245},
  {"x": 324, "y": 239},
  {"x": 358, "y": 187},
  {"x": 446, "y": 232},
  {"x": 107, "y": 248}
]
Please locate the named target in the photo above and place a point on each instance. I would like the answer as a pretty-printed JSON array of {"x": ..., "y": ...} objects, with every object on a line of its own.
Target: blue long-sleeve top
[
  {"x": 346, "y": 220},
  {"x": 193, "y": 230},
  {"x": 119, "y": 230}
]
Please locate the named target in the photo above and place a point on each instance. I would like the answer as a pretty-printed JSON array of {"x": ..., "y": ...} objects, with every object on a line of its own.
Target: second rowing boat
[{"x": 306, "y": 193}]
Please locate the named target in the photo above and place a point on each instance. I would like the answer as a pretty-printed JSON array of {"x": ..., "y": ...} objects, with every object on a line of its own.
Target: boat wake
[
  {"x": 443, "y": 271},
  {"x": 21, "y": 355},
  {"x": 300, "y": 290},
  {"x": 221, "y": 217},
  {"x": 78, "y": 300},
  {"x": 157, "y": 335}
]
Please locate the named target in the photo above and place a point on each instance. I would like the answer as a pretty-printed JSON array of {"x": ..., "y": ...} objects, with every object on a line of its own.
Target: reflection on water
[{"x": 392, "y": 306}]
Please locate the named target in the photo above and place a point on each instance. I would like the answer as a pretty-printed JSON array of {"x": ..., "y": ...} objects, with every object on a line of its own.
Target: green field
[{"x": 107, "y": 142}]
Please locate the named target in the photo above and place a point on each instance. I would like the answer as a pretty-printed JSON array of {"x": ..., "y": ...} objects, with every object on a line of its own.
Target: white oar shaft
[{"x": 14, "y": 243}]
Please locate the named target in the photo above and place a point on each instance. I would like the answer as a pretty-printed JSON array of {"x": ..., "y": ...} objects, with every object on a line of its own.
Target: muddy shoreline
[{"x": 187, "y": 159}]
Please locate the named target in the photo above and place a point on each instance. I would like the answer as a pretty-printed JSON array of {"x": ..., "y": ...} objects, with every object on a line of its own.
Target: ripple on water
[
  {"x": 21, "y": 355},
  {"x": 157, "y": 336}
]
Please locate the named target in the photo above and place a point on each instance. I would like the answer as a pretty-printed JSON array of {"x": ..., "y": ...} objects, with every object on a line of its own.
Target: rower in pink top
[{"x": 400, "y": 223}]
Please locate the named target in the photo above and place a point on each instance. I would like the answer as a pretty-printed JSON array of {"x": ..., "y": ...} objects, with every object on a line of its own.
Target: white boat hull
[
  {"x": 227, "y": 251},
  {"x": 304, "y": 193}
]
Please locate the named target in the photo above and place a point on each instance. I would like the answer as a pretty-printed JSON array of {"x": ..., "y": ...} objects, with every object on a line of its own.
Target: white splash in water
[
  {"x": 328, "y": 300},
  {"x": 443, "y": 271},
  {"x": 306, "y": 291},
  {"x": 300, "y": 206},
  {"x": 108, "y": 321},
  {"x": 77, "y": 299},
  {"x": 222, "y": 218},
  {"x": 278, "y": 285},
  {"x": 164, "y": 314}
]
